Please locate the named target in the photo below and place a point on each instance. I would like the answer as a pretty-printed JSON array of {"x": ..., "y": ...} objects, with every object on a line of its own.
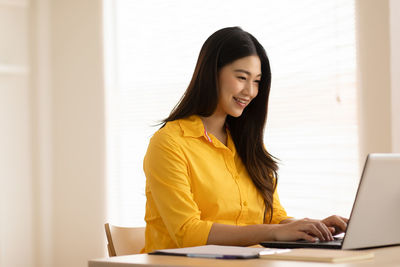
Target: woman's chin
[{"x": 236, "y": 114}]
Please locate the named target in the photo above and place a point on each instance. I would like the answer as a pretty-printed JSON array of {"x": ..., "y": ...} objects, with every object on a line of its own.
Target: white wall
[
  {"x": 374, "y": 91},
  {"x": 52, "y": 181},
  {"x": 69, "y": 132},
  {"x": 78, "y": 131},
  {"x": 395, "y": 72},
  {"x": 378, "y": 38},
  {"x": 16, "y": 216},
  {"x": 42, "y": 136}
]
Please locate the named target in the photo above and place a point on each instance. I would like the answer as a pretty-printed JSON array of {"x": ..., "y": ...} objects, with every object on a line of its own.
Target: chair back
[{"x": 124, "y": 240}]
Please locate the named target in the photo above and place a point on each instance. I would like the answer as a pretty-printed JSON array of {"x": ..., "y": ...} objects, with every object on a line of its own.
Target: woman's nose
[{"x": 251, "y": 89}]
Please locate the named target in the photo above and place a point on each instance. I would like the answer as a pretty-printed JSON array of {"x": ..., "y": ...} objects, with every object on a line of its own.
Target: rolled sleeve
[{"x": 168, "y": 180}]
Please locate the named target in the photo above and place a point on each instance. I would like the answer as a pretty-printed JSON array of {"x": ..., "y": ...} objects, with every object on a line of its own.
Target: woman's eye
[
  {"x": 242, "y": 78},
  {"x": 257, "y": 81}
]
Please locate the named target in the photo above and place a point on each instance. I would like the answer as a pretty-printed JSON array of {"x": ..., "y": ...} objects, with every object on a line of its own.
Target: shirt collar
[{"x": 192, "y": 126}]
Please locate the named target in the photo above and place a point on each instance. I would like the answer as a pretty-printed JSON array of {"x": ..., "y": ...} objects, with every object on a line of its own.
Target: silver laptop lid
[{"x": 375, "y": 217}]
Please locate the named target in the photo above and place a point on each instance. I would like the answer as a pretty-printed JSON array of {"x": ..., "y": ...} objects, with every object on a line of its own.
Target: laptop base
[{"x": 335, "y": 244}]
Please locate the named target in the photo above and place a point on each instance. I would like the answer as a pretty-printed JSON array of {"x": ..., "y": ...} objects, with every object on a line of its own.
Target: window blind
[{"x": 151, "y": 50}]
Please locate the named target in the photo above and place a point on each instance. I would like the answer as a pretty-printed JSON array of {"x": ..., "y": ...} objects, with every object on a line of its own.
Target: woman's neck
[{"x": 215, "y": 124}]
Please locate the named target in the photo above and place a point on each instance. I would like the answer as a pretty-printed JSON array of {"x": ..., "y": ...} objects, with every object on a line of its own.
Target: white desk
[{"x": 384, "y": 257}]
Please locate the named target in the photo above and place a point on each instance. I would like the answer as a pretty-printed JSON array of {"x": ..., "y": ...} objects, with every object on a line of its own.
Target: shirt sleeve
[
  {"x": 167, "y": 175},
  {"x": 279, "y": 213}
]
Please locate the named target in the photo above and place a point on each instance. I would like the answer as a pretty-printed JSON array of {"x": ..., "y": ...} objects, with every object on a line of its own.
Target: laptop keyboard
[
  {"x": 335, "y": 244},
  {"x": 336, "y": 240}
]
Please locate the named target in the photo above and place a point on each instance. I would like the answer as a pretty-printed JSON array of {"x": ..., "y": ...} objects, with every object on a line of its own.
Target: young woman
[{"x": 209, "y": 178}]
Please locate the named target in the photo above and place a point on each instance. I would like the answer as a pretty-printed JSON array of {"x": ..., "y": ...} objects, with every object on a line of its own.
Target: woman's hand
[
  {"x": 306, "y": 229},
  {"x": 336, "y": 224}
]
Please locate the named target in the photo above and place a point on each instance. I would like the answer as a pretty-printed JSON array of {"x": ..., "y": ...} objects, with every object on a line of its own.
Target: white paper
[{"x": 215, "y": 250}]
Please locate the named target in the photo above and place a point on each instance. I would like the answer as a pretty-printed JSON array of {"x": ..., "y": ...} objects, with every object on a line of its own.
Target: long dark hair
[{"x": 201, "y": 98}]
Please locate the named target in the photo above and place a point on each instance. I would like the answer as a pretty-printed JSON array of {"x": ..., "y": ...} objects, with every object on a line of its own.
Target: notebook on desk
[{"x": 375, "y": 216}]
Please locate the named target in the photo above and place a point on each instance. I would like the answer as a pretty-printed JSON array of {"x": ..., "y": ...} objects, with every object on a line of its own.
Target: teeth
[{"x": 239, "y": 100}]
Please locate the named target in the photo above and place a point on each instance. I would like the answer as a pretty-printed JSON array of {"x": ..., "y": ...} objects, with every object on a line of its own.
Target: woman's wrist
[
  {"x": 271, "y": 232},
  {"x": 288, "y": 220}
]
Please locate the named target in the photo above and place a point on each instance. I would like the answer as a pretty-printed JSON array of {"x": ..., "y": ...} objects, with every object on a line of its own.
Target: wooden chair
[{"x": 124, "y": 240}]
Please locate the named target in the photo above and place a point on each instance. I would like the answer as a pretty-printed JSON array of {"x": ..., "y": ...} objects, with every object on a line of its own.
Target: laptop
[{"x": 375, "y": 216}]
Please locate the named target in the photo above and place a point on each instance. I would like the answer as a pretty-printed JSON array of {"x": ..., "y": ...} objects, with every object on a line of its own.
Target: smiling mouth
[{"x": 241, "y": 101}]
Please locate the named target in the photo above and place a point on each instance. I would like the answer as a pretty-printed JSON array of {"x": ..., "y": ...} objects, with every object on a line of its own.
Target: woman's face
[{"x": 238, "y": 84}]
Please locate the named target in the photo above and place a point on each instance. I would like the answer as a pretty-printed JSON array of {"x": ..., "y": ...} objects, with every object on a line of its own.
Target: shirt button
[{"x": 245, "y": 203}]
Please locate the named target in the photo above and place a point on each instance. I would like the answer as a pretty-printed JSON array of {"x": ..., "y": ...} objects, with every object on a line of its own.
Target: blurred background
[{"x": 83, "y": 84}]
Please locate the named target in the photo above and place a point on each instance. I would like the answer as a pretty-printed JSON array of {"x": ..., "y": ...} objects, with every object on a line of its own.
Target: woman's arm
[
  {"x": 170, "y": 200},
  {"x": 287, "y": 230},
  {"x": 232, "y": 235}
]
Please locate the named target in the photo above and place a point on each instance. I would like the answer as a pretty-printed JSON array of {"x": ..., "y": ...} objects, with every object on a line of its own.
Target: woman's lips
[{"x": 241, "y": 102}]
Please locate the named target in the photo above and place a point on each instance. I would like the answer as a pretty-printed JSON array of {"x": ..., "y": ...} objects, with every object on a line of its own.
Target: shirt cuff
[{"x": 195, "y": 234}]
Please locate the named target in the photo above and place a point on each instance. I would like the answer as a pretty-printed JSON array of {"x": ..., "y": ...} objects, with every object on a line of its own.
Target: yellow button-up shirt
[{"x": 192, "y": 181}]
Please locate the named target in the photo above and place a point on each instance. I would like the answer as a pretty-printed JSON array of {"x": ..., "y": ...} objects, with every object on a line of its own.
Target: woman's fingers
[
  {"x": 308, "y": 229},
  {"x": 339, "y": 223},
  {"x": 305, "y": 236},
  {"x": 327, "y": 235},
  {"x": 319, "y": 230}
]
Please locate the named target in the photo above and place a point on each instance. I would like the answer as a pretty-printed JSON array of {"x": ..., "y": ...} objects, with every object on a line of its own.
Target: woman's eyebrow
[{"x": 247, "y": 72}]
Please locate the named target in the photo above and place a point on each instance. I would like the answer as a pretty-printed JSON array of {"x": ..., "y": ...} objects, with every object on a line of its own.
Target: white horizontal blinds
[{"x": 312, "y": 125}]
